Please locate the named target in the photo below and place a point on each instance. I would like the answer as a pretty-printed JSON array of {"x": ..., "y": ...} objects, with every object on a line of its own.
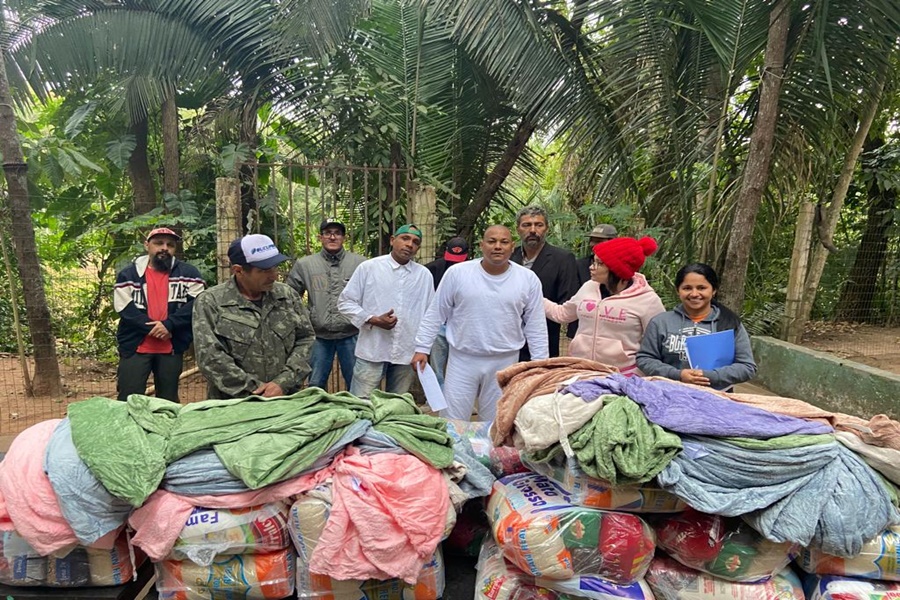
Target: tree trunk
[
  {"x": 858, "y": 295},
  {"x": 171, "y": 163},
  {"x": 485, "y": 193},
  {"x": 820, "y": 252},
  {"x": 756, "y": 173},
  {"x": 46, "y": 368},
  {"x": 139, "y": 171}
]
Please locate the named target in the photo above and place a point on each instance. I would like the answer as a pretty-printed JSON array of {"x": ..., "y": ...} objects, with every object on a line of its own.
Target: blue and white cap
[{"x": 255, "y": 250}]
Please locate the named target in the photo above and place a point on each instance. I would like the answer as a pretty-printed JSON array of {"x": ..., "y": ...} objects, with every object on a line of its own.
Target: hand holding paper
[
  {"x": 433, "y": 393},
  {"x": 710, "y": 351}
]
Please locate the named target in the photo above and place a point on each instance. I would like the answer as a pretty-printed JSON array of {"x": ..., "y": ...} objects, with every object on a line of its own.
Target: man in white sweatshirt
[{"x": 491, "y": 308}]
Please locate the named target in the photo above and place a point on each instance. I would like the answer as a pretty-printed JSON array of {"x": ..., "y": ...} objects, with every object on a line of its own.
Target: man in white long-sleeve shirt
[
  {"x": 491, "y": 308},
  {"x": 385, "y": 299}
]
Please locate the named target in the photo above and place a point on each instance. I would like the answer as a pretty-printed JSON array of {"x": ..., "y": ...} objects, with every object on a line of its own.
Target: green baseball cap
[{"x": 410, "y": 229}]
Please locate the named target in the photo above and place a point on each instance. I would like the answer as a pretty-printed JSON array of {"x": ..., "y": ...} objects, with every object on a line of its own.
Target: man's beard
[
  {"x": 533, "y": 242},
  {"x": 162, "y": 262}
]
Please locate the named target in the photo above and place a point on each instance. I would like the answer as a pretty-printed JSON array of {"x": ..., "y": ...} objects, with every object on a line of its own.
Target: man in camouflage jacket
[{"x": 252, "y": 334}]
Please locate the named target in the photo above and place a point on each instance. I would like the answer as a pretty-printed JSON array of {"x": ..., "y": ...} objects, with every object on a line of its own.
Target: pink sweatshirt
[{"x": 609, "y": 330}]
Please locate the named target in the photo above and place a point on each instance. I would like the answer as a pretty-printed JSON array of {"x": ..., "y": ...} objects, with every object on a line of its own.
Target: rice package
[
  {"x": 236, "y": 576},
  {"x": 725, "y": 547},
  {"x": 671, "y": 580},
  {"x": 308, "y": 516},
  {"x": 22, "y": 565},
  {"x": 835, "y": 587},
  {"x": 498, "y": 579},
  {"x": 541, "y": 531},
  {"x": 503, "y": 460},
  {"x": 595, "y": 493},
  {"x": 254, "y": 530},
  {"x": 879, "y": 559}
]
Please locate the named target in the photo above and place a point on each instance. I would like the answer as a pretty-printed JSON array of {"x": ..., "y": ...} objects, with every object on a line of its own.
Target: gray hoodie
[{"x": 662, "y": 348}]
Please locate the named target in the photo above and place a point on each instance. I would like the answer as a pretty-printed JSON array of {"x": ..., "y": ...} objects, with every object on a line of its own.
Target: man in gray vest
[{"x": 322, "y": 276}]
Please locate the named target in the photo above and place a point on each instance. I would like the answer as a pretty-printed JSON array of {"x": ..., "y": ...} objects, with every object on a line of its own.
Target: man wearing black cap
[
  {"x": 456, "y": 250},
  {"x": 253, "y": 334},
  {"x": 154, "y": 297},
  {"x": 323, "y": 276}
]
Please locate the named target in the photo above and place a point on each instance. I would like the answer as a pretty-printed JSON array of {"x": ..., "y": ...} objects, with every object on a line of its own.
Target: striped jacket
[{"x": 130, "y": 301}]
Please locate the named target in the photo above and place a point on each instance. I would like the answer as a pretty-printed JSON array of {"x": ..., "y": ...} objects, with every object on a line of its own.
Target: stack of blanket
[{"x": 150, "y": 463}]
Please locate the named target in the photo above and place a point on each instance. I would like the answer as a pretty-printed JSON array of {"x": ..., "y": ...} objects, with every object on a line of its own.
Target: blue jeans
[
  {"x": 438, "y": 358},
  {"x": 322, "y": 358},
  {"x": 367, "y": 376}
]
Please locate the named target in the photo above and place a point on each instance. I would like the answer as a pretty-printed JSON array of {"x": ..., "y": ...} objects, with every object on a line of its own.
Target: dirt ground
[{"x": 874, "y": 346}]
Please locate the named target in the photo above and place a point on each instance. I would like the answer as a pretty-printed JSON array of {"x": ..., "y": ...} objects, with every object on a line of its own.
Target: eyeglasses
[{"x": 332, "y": 234}]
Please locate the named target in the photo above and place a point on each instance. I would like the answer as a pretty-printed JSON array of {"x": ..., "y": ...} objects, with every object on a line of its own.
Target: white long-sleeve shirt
[
  {"x": 377, "y": 286},
  {"x": 487, "y": 314}
]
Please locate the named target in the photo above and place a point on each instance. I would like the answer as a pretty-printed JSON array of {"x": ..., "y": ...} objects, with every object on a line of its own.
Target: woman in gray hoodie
[{"x": 662, "y": 349}]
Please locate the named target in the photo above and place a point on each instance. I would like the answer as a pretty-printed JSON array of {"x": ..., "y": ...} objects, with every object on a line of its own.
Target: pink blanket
[
  {"x": 387, "y": 518},
  {"x": 161, "y": 518},
  {"x": 28, "y": 503}
]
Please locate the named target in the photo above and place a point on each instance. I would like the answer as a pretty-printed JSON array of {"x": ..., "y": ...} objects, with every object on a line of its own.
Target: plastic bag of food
[
  {"x": 308, "y": 516},
  {"x": 724, "y": 547},
  {"x": 595, "y": 493},
  {"x": 244, "y": 576},
  {"x": 255, "y": 530},
  {"x": 503, "y": 460},
  {"x": 541, "y": 531},
  {"x": 22, "y": 565},
  {"x": 671, "y": 580},
  {"x": 498, "y": 579},
  {"x": 877, "y": 560},
  {"x": 835, "y": 587}
]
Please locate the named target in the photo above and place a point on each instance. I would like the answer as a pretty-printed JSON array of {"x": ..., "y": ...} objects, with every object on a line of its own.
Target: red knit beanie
[{"x": 623, "y": 256}]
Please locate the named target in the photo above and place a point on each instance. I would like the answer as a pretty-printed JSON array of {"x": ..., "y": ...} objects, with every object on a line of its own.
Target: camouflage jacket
[{"x": 240, "y": 346}]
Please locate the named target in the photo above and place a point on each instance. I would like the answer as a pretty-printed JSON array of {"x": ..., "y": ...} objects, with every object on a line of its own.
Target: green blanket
[
  {"x": 127, "y": 455},
  {"x": 423, "y": 436},
  {"x": 621, "y": 446},
  {"x": 266, "y": 440}
]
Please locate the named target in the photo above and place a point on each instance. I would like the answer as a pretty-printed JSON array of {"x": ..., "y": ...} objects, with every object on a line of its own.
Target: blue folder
[{"x": 710, "y": 351}]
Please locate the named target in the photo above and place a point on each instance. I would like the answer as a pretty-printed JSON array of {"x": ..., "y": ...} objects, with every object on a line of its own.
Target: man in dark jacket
[
  {"x": 555, "y": 267},
  {"x": 154, "y": 297}
]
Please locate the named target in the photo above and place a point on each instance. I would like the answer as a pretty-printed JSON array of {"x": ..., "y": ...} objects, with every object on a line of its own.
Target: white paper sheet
[{"x": 433, "y": 393}]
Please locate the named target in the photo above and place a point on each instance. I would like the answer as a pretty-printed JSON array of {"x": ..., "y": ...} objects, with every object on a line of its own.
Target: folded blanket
[
  {"x": 818, "y": 494},
  {"x": 522, "y": 381},
  {"x": 690, "y": 410},
  {"x": 423, "y": 436}
]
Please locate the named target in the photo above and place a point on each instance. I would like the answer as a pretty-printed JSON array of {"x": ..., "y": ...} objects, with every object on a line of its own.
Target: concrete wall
[{"x": 824, "y": 380}]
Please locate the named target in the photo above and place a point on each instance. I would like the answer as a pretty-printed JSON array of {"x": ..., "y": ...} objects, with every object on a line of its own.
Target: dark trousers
[{"x": 134, "y": 371}]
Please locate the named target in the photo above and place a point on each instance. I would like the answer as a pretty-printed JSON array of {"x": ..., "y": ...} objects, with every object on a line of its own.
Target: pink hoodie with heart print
[{"x": 609, "y": 329}]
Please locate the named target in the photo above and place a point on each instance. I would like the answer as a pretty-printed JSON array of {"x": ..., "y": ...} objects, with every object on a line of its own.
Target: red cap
[
  {"x": 163, "y": 231},
  {"x": 457, "y": 250},
  {"x": 623, "y": 256}
]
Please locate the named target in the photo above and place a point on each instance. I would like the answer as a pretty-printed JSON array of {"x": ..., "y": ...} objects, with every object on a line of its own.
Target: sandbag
[
  {"x": 835, "y": 587},
  {"x": 22, "y": 565},
  {"x": 254, "y": 530},
  {"x": 725, "y": 547},
  {"x": 501, "y": 460},
  {"x": 595, "y": 493},
  {"x": 236, "y": 577},
  {"x": 308, "y": 516},
  {"x": 498, "y": 579},
  {"x": 541, "y": 531},
  {"x": 878, "y": 559},
  {"x": 670, "y": 580}
]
